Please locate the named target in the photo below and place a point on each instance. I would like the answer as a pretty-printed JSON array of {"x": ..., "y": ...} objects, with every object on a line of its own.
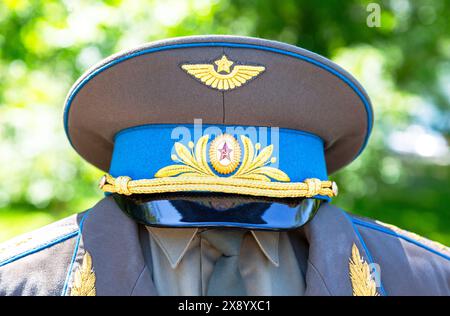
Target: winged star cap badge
[{"x": 228, "y": 75}]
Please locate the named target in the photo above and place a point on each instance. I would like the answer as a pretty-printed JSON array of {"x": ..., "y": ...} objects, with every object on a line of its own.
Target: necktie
[{"x": 226, "y": 279}]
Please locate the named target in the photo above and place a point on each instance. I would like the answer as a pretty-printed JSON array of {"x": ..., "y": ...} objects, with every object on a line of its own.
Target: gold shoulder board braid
[{"x": 430, "y": 243}]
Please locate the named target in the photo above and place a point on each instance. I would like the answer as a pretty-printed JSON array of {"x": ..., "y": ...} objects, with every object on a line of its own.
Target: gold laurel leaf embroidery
[
  {"x": 191, "y": 163},
  {"x": 362, "y": 283},
  {"x": 193, "y": 174},
  {"x": 200, "y": 154},
  {"x": 196, "y": 164},
  {"x": 252, "y": 166},
  {"x": 84, "y": 279},
  {"x": 255, "y": 176},
  {"x": 262, "y": 158},
  {"x": 206, "y": 73},
  {"x": 173, "y": 170},
  {"x": 184, "y": 154},
  {"x": 249, "y": 153},
  {"x": 274, "y": 173}
]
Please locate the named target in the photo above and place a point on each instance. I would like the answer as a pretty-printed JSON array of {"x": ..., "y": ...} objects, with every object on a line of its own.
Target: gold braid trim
[{"x": 308, "y": 188}]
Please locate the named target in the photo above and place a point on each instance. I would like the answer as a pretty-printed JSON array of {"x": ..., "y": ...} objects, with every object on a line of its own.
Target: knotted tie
[{"x": 226, "y": 279}]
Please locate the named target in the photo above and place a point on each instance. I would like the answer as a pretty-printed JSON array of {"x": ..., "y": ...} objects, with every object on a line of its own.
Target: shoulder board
[
  {"x": 418, "y": 240},
  {"x": 38, "y": 240}
]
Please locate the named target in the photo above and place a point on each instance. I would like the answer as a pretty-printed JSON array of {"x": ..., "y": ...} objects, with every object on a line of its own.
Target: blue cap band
[{"x": 140, "y": 152}]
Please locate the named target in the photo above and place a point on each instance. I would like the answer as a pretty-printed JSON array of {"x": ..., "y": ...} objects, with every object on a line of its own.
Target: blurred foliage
[{"x": 401, "y": 178}]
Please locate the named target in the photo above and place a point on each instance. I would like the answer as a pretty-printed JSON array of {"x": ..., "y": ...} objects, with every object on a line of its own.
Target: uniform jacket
[{"x": 341, "y": 246}]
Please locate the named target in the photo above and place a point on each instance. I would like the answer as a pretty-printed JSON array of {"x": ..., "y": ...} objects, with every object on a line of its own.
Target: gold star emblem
[
  {"x": 225, "y": 153},
  {"x": 223, "y": 64}
]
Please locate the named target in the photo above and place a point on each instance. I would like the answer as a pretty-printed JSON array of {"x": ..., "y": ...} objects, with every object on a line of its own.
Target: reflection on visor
[{"x": 218, "y": 211}]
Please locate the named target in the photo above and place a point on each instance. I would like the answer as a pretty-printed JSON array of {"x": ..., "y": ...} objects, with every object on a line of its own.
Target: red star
[{"x": 225, "y": 152}]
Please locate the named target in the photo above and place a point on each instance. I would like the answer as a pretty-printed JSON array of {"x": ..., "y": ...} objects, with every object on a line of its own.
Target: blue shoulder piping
[
  {"x": 392, "y": 233},
  {"x": 74, "y": 255},
  {"x": 39, "y": 248},
  {"x": 47, "y": 244}
]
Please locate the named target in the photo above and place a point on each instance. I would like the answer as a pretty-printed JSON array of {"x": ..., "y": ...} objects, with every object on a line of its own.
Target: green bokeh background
[{"x": 401, "y": 178}]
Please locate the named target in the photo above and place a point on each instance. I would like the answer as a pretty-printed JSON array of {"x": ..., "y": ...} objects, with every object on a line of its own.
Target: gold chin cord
[{"x": 308, "y": 188}]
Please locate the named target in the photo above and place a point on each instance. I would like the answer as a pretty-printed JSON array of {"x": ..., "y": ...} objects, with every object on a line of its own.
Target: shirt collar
[{"x": 174, "y": 242}]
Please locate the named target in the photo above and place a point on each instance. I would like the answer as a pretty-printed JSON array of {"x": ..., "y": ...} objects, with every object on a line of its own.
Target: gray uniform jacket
[{"x": 99, "y": 252}]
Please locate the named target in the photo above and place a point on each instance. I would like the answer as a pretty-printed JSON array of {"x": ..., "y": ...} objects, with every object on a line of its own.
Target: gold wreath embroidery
[
  {"x": 224, "y": 78},
  {"x": 84, "y": 279},
  {"x": 193, "y": 162},
  {"x": 362, "y": 282}
]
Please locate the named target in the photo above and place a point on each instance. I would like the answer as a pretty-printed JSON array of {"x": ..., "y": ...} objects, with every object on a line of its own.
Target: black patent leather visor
[{"x": 218, "y": 211}]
